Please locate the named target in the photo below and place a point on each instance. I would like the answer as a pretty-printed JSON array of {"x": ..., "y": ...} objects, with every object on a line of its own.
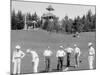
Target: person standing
[
  {"x": 17, "y": 56},
  {"x": 47, "y": 54},
  {"x": 60, "y": 55},
  {"x": 69, "y": 51},
  {"x": 35, "y": 60},
  {"x": 91, "y": 55},
  {"x": 77, "y": 55},
  {"x": 77, "y": 34}
]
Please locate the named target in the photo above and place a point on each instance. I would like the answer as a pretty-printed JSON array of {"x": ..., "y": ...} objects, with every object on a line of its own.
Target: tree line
[{"x": 86, "y": 23}]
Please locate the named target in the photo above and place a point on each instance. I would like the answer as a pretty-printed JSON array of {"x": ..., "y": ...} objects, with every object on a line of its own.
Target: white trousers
[
  {"x": 17, "y": 64},
  {"x": 91, "y": 60},
  {"x": 35, "y": 65}
]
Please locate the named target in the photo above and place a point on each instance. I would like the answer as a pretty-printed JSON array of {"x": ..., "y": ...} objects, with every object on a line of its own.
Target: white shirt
[
  {"x": 77, "y": 50},
  {"x": 60, "y": 53},
  {"x": 18, "y": 55},
  {"x": 91, "y": 51},
  {"x": 47, "y": 53},
  {"x": 34, "y": 56},
  {"x": 69, "y": 50}
]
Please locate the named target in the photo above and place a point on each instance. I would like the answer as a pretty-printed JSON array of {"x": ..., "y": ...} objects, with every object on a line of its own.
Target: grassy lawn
[{"x": 39, "y": 40}]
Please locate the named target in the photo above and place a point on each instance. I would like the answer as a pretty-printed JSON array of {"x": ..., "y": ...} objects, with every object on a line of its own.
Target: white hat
[
  {"x": 18, "y": 47},
  {"x": 90, "y": 44},
  {"x": 28, "y": 50},
  {"x": 75, "y": 45}
]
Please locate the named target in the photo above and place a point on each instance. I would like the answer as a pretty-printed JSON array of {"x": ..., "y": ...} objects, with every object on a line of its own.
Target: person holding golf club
[
  {"x": 91, "y": 55},
  {"x": 17, "y": 56},
  {"x": 60, "y": 55},
  {"x": 35, "y": 60},
  {"x": 68, "y": 51},
  {"x": 47, "y": 54},
  {"x": 77, "y": 54}
]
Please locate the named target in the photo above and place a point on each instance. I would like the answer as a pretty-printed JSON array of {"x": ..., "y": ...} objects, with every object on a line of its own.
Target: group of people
[
  {"x": 18, "y": 54},
  {"x": 62, "y": 52}
]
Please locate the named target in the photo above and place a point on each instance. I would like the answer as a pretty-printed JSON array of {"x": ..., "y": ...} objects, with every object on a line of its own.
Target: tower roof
[{"x": 50, "y": 8}]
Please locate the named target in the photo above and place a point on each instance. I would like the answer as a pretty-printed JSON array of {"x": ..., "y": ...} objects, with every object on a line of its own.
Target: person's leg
[
  {"x": 76, "y": 63},
  {"x": 33, "y": 66},
  {"x": 46, "y": 64},
  {"x": 92, "y": 58},
  {"x": 90, "y": 62},
  {"x": 15, "y": 67},
  {"x": 61, "y": 63},
  {"x": 58, "y": 64},
  {"x": 19, "y": 66},
  {"x": 93, "y": 61},
  {"x": 68, "y": 59},
  {"x": 78, "y": 60},
  {"x": 36, "y": 63}
]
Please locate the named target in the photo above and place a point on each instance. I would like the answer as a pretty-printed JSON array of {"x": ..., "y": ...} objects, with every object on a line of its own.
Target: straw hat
[{"x": 18, "y": 47}]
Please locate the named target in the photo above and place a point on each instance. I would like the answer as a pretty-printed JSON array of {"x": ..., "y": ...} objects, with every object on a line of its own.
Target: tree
[
  {"x": 20, "y": 20},
  {"x": 45, "y": 26},
  {"x": 78, "y": 25},
  {"x": 51, "y": 24},
  {"x": 94, "y": 22},
  {"x": 67, "y": 24},
  {"x": 35, "y": 17},
  {"x": 90, "y": 21},
  {"x": 13, "y": 20},
  {"x": 54, "y": 24}
]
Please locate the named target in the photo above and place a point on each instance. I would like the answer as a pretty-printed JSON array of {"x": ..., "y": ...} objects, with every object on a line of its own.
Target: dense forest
[{"x": 86, "y": 23}]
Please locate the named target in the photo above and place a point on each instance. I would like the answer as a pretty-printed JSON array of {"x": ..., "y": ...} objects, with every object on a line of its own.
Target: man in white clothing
[
  {"x": 17, "y": 56},
  {"x": 47, "y": 54},
  {"x": 60, "y": 55},
  {"x": 77, "y": 54},
  {"x": 69, "y": 51},
  {"x": 91, "y": 55},
  {"x": 35, "y": 60}
]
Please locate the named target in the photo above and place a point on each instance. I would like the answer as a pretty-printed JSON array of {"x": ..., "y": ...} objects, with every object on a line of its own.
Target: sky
[{"x": 60, "y": 11}]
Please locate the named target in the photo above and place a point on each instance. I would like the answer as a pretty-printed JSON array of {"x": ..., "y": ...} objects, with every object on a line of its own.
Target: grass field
[{"x": 39, "y": 40}]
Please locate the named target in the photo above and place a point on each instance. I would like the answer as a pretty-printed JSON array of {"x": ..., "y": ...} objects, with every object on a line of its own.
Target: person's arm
[
  {"x": 13, "y": 58},
  {"x": 44, "y": 53},
  {"x": 64, "y": 53},
  {"x": 73, "y": 51},
  {"x": 23, "y": 54},
  {"x": 93, "y": 51},
  {"x": 79, "y": 52}
]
